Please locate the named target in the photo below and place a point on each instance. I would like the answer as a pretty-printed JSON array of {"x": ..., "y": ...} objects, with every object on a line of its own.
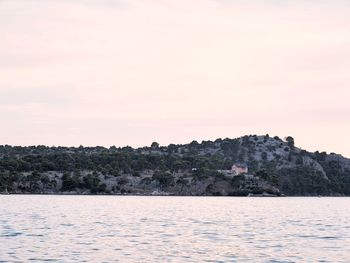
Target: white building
[{"x": 238, "y": 169}]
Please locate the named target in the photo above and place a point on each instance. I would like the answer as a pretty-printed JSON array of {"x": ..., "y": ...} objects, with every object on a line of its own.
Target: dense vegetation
[{"x": 279, "y": 162}]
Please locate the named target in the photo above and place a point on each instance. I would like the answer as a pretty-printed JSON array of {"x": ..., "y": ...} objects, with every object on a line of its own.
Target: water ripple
[{"x": 173, "y": 229}]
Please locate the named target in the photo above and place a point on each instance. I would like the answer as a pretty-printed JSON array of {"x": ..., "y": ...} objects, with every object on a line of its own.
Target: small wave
[{"x": 12, "y": 234}]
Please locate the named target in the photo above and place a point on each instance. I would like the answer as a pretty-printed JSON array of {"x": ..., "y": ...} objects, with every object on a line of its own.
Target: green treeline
[{"x": 294, "y": 171}]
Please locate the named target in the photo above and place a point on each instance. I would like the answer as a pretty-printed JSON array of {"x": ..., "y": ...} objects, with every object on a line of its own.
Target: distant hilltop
[{"x": 249, "y": 165}]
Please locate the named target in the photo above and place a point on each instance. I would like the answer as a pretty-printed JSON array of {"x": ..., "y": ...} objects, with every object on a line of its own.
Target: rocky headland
[{"x": 275, "y": 167}]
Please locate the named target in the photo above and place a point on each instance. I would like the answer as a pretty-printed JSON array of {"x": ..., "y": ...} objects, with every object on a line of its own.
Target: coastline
[{"x": 168, "y": 195}]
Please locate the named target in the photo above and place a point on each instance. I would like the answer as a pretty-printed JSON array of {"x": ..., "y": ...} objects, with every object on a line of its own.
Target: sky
[{"x": 130, "y": 72}]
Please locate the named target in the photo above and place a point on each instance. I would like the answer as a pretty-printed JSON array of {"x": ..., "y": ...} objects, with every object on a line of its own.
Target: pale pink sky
[{"x": 120, "y": 72}]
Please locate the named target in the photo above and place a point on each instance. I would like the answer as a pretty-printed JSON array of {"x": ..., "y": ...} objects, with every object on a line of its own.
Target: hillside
[{"x": 275, "y": 167}]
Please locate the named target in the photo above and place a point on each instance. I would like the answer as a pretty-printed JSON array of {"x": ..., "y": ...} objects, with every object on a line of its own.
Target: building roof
[{"x": 240, "y": 165}]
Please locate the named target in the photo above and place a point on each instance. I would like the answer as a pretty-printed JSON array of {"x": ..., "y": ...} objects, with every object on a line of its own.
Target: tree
[
  {"x": 92, "y": 182},
  {"x": 266, "y": 137},
  {"x": 68, "y": 184},
  {"x": 171, "y": 148},
  {"x": 165, "y": 179},
  {"x": 277, "y": 138},
  {"x": 155, "y": 145},
  {"x": 262, "y": 174},
  {"x": 194, "y": 144},
  {"x": 290, "y": 141},
  {"x": 4, "y": 181}
]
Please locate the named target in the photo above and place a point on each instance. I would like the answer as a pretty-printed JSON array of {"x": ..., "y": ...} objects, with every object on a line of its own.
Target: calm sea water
[{"x": 173, "y": 229}]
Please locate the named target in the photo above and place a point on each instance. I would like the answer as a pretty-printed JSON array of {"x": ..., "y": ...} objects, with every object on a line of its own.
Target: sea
[{"x": 70, "y": 228}]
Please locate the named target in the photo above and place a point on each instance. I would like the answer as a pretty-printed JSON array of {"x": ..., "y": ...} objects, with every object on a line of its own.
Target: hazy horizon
[{"x": 89, "y": 72}]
